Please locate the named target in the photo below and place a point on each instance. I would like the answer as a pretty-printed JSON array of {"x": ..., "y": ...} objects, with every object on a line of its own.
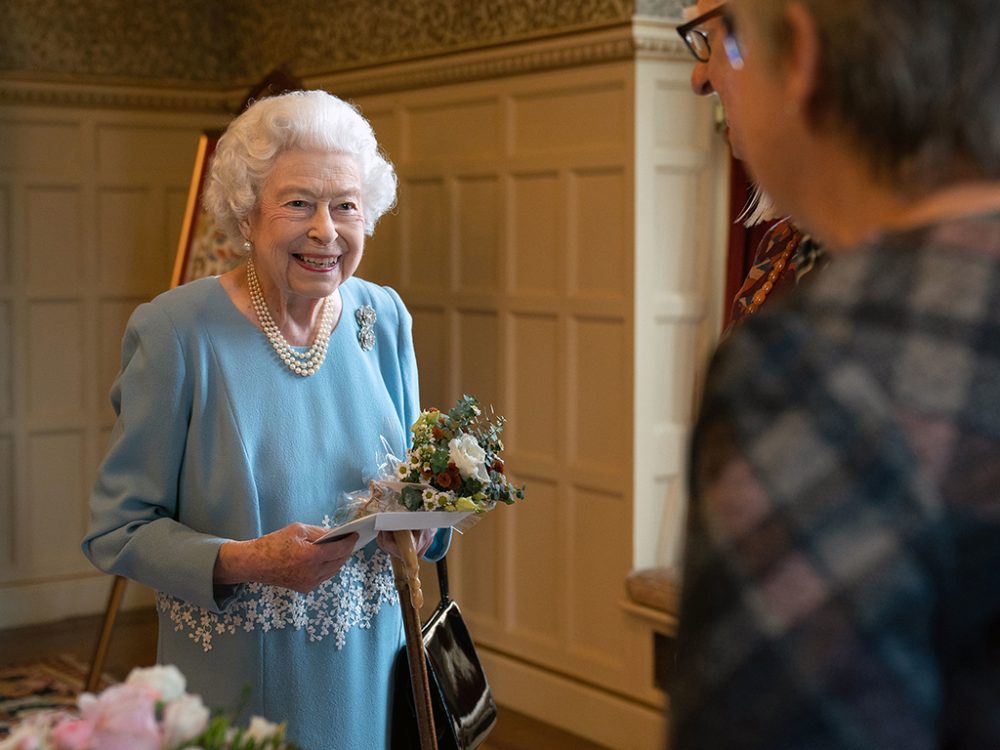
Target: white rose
[
  {"x": 184, "y": 719},
  {"x": 261, "y": 730},
  {"x": 470, "y": 459},
  {"x": 167, "y": 680}
]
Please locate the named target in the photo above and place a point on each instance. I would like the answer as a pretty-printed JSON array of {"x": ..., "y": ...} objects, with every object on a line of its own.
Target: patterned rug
[{"x": 51, "y": 683}]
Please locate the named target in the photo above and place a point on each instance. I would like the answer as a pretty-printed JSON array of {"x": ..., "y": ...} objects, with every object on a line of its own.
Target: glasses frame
[
  {"x": 691, "y": 27},
  {"x": 730, "y": 44}
]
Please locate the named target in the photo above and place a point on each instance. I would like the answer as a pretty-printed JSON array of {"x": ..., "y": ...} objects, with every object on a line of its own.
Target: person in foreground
[
  {"x": 247, "y": 405},
  {"x": 840, "y": 586}
]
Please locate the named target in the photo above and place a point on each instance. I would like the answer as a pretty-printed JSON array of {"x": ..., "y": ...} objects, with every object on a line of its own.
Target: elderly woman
[
  {"x": 841, "y": 585},
  {"x": 247, "y": 405}
]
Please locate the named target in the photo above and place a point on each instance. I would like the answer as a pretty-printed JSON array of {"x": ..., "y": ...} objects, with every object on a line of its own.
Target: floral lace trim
[{"x": 350, "y": 599}]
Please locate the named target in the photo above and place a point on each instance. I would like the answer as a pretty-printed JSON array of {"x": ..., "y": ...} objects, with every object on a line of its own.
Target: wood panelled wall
[
  {"x": 513, "y": 249},
  {"x": 91, "y": 204},
  {"x": 554, "y": 242}
]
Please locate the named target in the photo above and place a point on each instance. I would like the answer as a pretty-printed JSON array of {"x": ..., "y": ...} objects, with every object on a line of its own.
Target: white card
[{"x": 367, "y": 527}]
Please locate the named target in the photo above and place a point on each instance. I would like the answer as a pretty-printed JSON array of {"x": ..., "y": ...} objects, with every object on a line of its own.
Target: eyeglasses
[{"x": 696, "y": 40}]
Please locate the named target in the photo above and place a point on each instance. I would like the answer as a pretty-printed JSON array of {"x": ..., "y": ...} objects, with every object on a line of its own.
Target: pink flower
[
  {"x": 123, "y": 717},
  {"x": 72, "y": 734}
]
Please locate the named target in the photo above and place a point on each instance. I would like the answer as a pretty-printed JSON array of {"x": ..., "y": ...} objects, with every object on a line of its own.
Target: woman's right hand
[{"x": 286, "y": 557}]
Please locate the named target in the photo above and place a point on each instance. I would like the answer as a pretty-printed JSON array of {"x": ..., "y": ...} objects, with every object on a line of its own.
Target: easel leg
[{"x": 110, "y": 613}]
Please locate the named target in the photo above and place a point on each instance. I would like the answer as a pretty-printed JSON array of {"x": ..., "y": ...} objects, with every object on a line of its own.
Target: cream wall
[
  {"x": 513, "y": 246},
  {"x": 91, "y": 203},
  {"x": 558, "y": 240}
]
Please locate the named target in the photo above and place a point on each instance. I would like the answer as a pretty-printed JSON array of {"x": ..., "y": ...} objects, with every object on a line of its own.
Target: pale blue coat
[{"x": 215, "y": 440}]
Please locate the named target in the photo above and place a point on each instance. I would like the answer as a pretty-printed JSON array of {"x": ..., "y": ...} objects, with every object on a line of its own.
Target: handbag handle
[{"x": 442, "y": 573}]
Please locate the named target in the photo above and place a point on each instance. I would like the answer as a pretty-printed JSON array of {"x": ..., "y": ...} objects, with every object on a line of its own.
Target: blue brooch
[{"x": 365, "y": 316}]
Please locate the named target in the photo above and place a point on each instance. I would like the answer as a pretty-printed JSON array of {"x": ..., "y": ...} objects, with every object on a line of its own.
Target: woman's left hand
[{"x": 421, "y": 541}]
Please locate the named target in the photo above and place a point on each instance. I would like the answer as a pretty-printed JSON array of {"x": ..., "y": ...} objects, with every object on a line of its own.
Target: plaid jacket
[{"x": 842, "y": 579}]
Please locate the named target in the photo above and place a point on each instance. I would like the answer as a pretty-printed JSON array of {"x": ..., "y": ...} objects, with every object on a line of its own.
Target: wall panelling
[
  {"x": 544, "y": 235},
  {"x": 90, "y": 213}
]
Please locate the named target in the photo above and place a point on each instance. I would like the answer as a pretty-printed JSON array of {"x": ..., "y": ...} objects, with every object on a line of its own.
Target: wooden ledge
[{"x": 655, "y": 588}]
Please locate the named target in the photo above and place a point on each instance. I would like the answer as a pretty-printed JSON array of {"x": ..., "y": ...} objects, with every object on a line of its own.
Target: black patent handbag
[{"x": 462, "y": 703}]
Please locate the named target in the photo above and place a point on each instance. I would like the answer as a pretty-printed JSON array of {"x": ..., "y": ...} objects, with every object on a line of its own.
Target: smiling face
[{"x": 307, "y": 228}]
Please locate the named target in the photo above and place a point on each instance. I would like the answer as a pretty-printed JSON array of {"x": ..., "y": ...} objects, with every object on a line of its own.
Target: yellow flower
[{"x": 465, "y": 503}]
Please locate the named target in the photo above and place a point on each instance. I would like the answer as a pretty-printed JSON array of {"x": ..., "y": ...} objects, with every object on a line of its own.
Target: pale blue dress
[{"x": 215, "y": 440}]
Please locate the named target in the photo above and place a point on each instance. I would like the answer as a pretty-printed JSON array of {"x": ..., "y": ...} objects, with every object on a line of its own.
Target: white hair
[
  {"x": 245, "y": 154},
  {"x": 759, "y": 208}
]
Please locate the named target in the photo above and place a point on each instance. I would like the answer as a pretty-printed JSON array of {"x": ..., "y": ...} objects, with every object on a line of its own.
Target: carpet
[{"x": 45, "y": 684}]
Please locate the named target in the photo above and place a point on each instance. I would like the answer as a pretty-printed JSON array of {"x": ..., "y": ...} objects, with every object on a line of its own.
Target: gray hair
[
  {"x": 245, "y": 154},
  {"x": 914, "y": 83}
]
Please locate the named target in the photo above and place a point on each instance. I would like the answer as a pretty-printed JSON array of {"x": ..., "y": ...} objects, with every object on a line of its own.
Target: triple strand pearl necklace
[{"x": 301, "y": 363}]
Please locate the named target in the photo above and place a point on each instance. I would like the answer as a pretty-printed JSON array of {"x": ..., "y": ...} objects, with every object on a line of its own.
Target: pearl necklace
[{"x": 301, "y": 363}]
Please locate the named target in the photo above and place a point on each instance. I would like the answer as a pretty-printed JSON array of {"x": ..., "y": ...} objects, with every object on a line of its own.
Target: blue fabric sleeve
[
  {"x": 409, "y": 406},
  {"x": 440, "y": 546},
  {"x": 134, "y": 504}
]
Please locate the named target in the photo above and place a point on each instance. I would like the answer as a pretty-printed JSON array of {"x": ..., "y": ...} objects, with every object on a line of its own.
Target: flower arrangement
[
  {"x": 149, "y": 711},
  {"x": 455, "y": 462}
]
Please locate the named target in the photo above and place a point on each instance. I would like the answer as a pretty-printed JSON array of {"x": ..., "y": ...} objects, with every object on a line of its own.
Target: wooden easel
[{"x": 104, "y": 639}]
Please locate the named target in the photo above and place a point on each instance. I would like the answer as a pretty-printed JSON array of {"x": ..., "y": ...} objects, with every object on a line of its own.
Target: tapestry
[{"x": 230, "y": 43}]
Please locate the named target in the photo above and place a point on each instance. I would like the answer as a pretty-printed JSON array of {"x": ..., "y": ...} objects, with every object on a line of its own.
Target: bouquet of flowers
[
  {"x": 149, "y": 711},
  {"x": 455, "y": 462},
  {"x": 452, "y": 475}
]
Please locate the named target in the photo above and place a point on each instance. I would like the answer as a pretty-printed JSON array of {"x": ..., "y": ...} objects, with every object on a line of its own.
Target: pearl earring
[{"x": 247, "y": 246}]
